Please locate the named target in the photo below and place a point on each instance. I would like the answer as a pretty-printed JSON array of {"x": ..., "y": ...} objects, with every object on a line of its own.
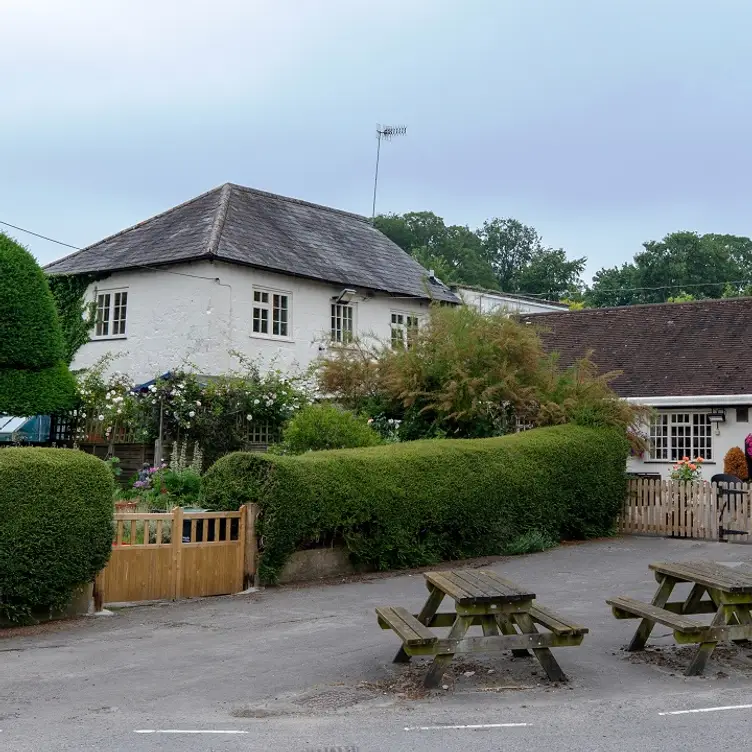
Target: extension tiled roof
[
  {"x": 701, "y": 348},
  {"x": 513, "y": 295},
  {"x": 250, "y": 227}
]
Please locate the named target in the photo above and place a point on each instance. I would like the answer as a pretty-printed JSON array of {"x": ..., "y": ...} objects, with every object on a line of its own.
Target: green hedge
[
  {"x": 55, "y": 527},
  {"x": 418, "y": 503},
  {"x": 33, "y": 375}
]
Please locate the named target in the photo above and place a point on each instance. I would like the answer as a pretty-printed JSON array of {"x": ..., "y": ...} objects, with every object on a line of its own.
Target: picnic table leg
[
  {"x": 544, "y": 655},
  {"x": 660, "y": 599},
  {"x": 435, "y": 596},
  {"x": 705, "y": 649},
  {"x": 693, "y": 599},
  {"x": 507, "y": 628},
  {"x": 440, "y": 662}
]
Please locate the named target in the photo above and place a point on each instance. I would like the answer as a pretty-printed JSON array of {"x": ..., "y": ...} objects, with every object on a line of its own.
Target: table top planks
[
  {"x": 709, "y": 574},
  {"x": 470, "y": 587}
]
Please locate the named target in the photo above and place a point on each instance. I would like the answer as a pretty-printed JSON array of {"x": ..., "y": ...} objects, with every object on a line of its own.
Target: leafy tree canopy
[
  {"x": 683, "y": 266},
  {"x": 503, "y": 254}
]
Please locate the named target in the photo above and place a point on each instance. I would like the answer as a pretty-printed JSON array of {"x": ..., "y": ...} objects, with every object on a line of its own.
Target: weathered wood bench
[
  {"x": 505, "y": 612},
  {"x": 412, "y": 633},
  {"x": 558, "y": 624},
  {"x": 629, "y": 608}
]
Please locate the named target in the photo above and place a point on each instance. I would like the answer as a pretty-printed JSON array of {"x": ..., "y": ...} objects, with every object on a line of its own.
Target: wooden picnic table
[
  {"x": 505, "y": 611},
  {"x": 729, "y": 599}
]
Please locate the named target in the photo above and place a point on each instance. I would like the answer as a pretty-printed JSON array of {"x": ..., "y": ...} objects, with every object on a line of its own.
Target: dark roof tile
[
  {"x": 668, "y": 349},
  {"x": 245, "y": 226}
]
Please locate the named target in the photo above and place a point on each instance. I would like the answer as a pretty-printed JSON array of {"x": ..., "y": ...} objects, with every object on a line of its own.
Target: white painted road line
[
  {"x": 708, "y": 710},
  {"x": 469, "y": 726},
  {"x": 188, "y": 731}
]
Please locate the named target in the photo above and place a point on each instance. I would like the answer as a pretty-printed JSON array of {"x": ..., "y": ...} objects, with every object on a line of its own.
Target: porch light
[{"x": 717, "y": 416}]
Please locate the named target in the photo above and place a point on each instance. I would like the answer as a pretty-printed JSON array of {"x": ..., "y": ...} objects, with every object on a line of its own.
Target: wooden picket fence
[
  {"x": 683, "y": 509},
  {"x": 178, "y": 555}
]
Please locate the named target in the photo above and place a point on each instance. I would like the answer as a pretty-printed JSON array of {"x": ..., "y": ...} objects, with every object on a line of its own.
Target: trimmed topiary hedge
[
  {"x": 55, "y": 527},
  {"x": 34, "y": 378},
  {"x": 422, "y": 502}
]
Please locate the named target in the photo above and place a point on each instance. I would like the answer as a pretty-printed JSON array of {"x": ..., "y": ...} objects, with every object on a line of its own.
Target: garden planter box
[{"x": 316, "y": 563}]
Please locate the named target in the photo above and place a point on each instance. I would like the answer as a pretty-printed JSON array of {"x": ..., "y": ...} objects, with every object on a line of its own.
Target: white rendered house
[{"x": 237, "y": 269}]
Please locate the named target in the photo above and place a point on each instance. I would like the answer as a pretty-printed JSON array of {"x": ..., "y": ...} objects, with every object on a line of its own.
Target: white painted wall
[
  {"x": 174, "y": 319},
  {"x": 727, "y": 435},
  {"x": 488, "y": 302}
]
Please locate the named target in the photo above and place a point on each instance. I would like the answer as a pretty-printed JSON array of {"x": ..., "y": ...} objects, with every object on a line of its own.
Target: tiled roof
[
  {"x": 669, "y": 349},
  {"x": 245, "y": 226}
]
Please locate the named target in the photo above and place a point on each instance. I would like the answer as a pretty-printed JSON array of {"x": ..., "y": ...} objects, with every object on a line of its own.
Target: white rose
[
  {"x": 198, "y": 404},
  {"x": 101, "y": 417},
  {"x": 255, "y": 402},
  {"x": 191, "y": 414},
  {"x": 249, "y": 417}
]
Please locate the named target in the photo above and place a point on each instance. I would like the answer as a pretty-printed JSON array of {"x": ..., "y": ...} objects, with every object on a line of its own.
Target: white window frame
[
  {"x": 342, "y": 315},
  {"x": 399, "y": 326},
  {"x": 680, "y": 433},
  {"x": 111, "y": 313},
  {"x": 267, "y": 302}
]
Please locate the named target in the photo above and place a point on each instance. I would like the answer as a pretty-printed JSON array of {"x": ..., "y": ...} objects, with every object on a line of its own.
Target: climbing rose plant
[{"x": 218, "y": 413}]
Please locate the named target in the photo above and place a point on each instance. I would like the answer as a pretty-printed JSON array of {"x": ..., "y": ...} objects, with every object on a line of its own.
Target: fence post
[
  {"x": 99, "y": 592},
  {"x": 177, "y": 551},
  {"x": 251, "y": 546}
]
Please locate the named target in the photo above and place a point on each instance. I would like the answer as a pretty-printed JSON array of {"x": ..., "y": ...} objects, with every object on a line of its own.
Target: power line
[
  {"x": 527, "y": 294},
  {"x": 138, "y": 266},
  {"x": 44, "y": 237},
  {"x": 677, "y": 285}
]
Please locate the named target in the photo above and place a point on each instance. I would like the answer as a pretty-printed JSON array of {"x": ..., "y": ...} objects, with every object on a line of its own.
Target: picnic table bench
[
  {"x": 506, "y": 613},
  {"x": 729, "y": 599}
]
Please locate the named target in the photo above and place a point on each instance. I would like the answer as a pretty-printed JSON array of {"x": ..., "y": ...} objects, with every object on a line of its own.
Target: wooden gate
[
  {"x": 686, "y": 509},
  {"x": 177, "y": 555}
]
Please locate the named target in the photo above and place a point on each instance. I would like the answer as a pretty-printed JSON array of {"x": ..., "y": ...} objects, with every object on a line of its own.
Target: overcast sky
[{"x": 601, "y": 123}]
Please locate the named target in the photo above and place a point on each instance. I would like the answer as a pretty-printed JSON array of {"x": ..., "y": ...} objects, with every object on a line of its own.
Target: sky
[{"x": 601, "y": 124}]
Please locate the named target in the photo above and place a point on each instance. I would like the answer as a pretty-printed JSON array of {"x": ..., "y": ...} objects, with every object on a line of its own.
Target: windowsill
[
  {"x": 271, "y": 338},
  {"x": 105, "y": 339},
  {"x": 673, "y": 462}
]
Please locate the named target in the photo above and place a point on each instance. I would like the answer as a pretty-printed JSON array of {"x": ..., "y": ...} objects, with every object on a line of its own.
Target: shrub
[
  {"x": 470, "y": 375},
  {"x": 529, "y": 543},
  {"x": 55, "y": 527},
  {"x": 323, "y": 426},
  {"x": 33, "y": 375},
  {"x": 735, "y": 463},
  {"x": 415, "y": 503}
]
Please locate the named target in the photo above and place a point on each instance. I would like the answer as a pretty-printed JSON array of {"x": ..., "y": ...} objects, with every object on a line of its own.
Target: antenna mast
[{"x": 386, "y": 132}]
